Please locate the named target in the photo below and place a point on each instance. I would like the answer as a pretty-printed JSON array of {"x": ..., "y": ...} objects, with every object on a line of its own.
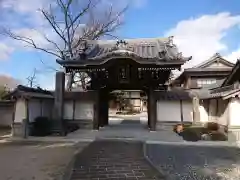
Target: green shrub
[
  {"x": 218, "y": 136},
  {"x": 41, "y": 126},
  {"x": 72, "y": 127},
  {"x": 191, "y": 134}
]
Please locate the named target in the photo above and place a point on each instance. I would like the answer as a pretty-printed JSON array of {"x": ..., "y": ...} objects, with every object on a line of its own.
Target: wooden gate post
[
  {"x": 96, "y": 110},
  {"x": 58, "y": 103},
  {"x": 152, "y": 110}
]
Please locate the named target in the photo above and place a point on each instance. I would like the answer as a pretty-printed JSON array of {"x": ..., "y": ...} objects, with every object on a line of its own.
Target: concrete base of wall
[
  {"x": 83, "y": 124},
  {"x": 234, "y": 134},
  {"x": 17, "y": 130}
]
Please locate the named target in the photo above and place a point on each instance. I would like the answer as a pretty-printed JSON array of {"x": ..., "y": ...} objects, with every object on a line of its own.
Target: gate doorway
[{"x": 128, "y": 109}]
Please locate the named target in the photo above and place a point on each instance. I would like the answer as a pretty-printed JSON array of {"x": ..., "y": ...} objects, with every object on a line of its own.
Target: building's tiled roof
[
  {"x": 226, "y": 69},
  {"x": 25, "y": 91},
  {"x": 173, "y": 95},
  {"x": 234, "y": 75},
  {"x": 212, "y": 59},
  {"x": 147, "y": 49},
  {"x": 6, "y": 103},
  {"x": 201, "y": 93},
  {"x": 218, "y": 92}
]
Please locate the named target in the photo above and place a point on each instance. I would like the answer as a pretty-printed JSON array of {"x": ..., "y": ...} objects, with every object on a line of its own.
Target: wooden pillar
[
  {"x": 96, "y": 110},
  {"x": 103, "y": 108},
  {"x": 148, "y": 110},
  {"x": 106, "y": 109},
  {"x": 58, "y": 103},
  {"x": 152, "y": 110},
  {"x": 181, "y": 110}
]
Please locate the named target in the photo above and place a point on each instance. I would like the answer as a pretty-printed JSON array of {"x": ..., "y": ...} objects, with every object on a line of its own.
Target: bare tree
[
  {"x": 73, "y": 21},
  {"x": 32, "y": 78}
]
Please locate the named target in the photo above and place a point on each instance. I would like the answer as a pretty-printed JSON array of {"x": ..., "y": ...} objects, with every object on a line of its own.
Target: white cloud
[
  {"x": 233, "y": 56},
  {"x": 5, "y": 51},
  {"x": 202, "y": 37}
]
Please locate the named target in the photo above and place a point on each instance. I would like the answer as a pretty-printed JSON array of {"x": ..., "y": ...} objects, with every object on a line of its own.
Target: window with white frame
[{"x": 205, "y": 82}]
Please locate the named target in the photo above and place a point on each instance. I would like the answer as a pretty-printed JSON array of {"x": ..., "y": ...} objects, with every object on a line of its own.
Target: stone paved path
[
  {"x": 186, "y": 162},
  {"x": 112, "y": 160}
]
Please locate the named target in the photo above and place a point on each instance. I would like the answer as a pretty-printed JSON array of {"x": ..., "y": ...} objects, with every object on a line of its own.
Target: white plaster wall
[
  {"x": 134, "y": 94},
  {"x": 47, "y": 107},
  {"x": 20, "y": 111},
  {"x": 234, "y": 109},
  {"x": 34, "y": 109},
  {"x": 135, "y": 102},
  {"x": 203, "y": 114},
  {"x": 168, "y": 111},
  {"x": 6, "y": 115},
  {"x": 83, "y": 110},
  {"x": 187, "y": 111},
  {"x": 68, "y": 110}
]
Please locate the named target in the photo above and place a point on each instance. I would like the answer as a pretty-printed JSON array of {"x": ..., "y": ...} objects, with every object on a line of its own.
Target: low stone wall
[
  {"x": 234, "y": 134},
  {"x": 6, "y": 113},
  {"x": 17, "y": 130}
]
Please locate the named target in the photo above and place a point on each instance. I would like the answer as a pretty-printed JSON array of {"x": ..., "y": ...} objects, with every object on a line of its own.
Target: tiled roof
[
  {"x": 219, "y": 92},
  {"x": 25, "y": 91},
  {"x": 173, "y": 95},
  {"x": 234, "y": 75},
  {"x": 149, "y": 48},
  {"x": 212, "y": 59},
  {"x": 226, "y": 69}
]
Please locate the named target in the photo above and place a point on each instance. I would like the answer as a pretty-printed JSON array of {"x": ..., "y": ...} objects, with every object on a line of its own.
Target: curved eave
[{"x": 100, "y": 60}]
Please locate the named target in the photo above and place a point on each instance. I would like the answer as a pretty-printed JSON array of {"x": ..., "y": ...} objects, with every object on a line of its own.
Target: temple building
[
  {"x": 136, "y": 65},
  {"x": 209, "y": 73}
]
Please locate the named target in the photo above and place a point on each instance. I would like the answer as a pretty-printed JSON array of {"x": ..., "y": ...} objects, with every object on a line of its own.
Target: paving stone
[{"x": 110, "y": 160}]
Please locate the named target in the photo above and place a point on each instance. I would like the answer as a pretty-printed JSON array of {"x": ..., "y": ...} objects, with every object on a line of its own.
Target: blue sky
[{"x": 201, "y": 28}]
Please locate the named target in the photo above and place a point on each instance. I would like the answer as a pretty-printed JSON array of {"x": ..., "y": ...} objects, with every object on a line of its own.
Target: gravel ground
[
  {"x": 38, "y": 161},
  {"x": 180, "y": 162}
]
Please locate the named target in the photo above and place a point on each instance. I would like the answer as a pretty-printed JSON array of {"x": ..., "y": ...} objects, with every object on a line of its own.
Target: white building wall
[
  {"x": 34, "y": 109},
  {"x": 20, "y": 111},
  {"x": 203, "y": 113},
  {"x": 168, "y": 111},
  {"x": 134, "y": 94},
  {"x": 187, "y": 111},
  {"x": 6, "y": 114},
  {"x": 83, "y": 110},
  {"x": 68, "y": 110},
  {"x": 234, "y": 109},
  {"x": 47, "y": 108}
]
